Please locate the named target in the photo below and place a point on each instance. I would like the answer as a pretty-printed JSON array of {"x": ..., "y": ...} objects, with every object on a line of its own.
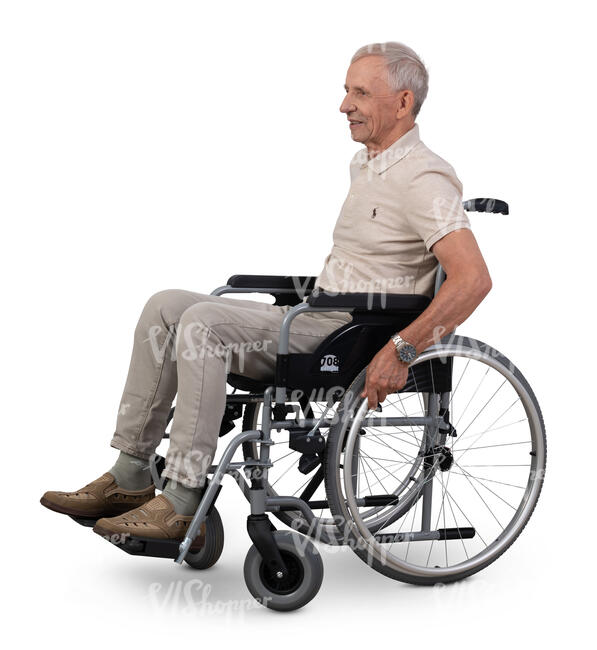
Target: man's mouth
[{"x": 355, "y": 123}]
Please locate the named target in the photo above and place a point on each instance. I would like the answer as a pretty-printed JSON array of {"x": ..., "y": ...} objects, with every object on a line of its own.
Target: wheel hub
[
  {"x": 279, "y": 583},
  {"x": 444, "y": 457}
]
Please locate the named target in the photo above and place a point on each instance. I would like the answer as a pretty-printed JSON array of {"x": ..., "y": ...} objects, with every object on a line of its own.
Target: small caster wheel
[
  {"x": 305, "y": 573},
  {"x": 210, "y": 553}
]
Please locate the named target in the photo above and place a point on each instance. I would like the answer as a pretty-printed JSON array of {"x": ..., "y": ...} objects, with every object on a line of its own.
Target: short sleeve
[{"x": 434, "y": 203}]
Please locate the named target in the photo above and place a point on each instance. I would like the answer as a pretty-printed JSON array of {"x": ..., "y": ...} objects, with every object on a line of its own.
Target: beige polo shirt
[{"x": 400, "y": 203}]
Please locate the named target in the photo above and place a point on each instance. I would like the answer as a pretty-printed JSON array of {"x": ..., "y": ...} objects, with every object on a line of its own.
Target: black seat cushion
[{"x": 240, "y": 382}]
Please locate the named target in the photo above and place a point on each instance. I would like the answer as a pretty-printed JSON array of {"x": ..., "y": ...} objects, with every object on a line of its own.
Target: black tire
[
  {"x": 214, "y": 543},
  {"x": 302, "y": 584},
  {"x": 336, "y": 441}
]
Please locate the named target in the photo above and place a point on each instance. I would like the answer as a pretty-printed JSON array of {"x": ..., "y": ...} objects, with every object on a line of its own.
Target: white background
[{"x": 154, "y": 145}]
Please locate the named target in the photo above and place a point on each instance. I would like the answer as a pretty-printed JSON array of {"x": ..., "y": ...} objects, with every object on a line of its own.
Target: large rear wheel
[{"x": 465, "y": 488}]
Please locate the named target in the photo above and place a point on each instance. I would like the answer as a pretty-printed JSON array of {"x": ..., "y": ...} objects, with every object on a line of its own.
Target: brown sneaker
[
  {"x": 101, "y": 498},
  {"x": 156, "y": 519}
]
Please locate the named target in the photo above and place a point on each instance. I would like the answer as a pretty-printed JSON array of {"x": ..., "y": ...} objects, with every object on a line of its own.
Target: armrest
[
  {"x": 385, "y": 302},
  {"x": 486, "y": 205},
  {"x": 297, "y": 283}
]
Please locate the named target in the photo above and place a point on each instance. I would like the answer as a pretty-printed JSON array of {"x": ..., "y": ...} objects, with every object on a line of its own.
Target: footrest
[
  {"x": 146, "y": 546},
  {"x": 88, "y": 522}
]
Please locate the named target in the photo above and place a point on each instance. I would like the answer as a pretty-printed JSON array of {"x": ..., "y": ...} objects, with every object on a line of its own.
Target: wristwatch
[{"x": 405, "y": 351}]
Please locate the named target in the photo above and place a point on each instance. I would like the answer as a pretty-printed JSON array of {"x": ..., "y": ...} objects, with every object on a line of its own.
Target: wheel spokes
[{"x": 477, "y": 480}]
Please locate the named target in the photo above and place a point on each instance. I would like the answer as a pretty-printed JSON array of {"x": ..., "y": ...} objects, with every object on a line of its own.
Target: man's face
[{"x": 370, "y": 104}]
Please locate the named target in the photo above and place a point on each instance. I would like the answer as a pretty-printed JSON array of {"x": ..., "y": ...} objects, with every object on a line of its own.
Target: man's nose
[{"x": 347, "y": 106}]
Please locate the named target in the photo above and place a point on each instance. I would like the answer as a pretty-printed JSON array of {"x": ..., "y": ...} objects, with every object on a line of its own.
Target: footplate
[
  {"x": 147, "y": 546},
  {"x": 88, "y": 522}
]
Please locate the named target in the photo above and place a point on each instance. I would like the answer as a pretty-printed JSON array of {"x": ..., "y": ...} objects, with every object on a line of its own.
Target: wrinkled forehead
[{"x": 369, "y": 74}]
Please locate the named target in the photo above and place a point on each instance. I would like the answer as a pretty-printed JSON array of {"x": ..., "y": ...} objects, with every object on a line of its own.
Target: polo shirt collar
[{"x": 393, "y": 154}]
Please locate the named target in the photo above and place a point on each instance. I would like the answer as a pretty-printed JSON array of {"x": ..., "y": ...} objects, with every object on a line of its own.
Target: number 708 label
[{"x": 329, "y": 363}]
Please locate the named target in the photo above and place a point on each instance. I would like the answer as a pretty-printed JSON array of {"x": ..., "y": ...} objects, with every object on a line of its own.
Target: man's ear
[{"x": 406, "y": 101}]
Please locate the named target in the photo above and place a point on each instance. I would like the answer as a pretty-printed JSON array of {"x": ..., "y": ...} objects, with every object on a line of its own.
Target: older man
[{"x": 402, "y": 215}]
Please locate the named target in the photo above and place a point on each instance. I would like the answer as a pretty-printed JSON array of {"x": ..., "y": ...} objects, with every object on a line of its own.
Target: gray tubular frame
[{"x": 258, "y": 499}]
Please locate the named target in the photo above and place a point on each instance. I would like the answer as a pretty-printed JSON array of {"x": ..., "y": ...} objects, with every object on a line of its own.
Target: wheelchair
[{"x": 430, "y": 487}]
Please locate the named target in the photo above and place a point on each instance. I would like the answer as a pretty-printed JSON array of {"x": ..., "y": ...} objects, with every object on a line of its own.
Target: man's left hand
[{"x": 385, "y": 374}]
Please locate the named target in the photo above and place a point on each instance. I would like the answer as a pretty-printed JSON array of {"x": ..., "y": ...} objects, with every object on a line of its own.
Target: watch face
[{"x": 408, "y": 353}]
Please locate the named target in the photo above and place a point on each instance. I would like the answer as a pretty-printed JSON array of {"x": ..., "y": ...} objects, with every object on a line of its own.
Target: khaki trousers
[{"x": 187, "y": 343}]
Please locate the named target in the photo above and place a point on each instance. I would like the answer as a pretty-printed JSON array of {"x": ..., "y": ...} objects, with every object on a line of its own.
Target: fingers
[
  {"x": 370, "y": 390},
  {"x": 377, "y": 391},
  {"x": 372, "y": 396},
  {"x": 378, "y": 387}
]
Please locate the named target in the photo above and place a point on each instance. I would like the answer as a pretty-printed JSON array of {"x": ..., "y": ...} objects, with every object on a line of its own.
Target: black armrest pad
[
  {"x": 486, "y": 205},
  {"x": 299, "y": 283},
  {"x": 370, "y": 301}
]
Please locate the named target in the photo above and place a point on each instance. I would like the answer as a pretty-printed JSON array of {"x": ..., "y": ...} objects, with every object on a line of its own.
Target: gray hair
[{"x": 405, "y": 69}]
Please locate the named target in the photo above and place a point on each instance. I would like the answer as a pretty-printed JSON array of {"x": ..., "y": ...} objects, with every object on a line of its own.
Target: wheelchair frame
[
  {"x": 259, "y": 526},
  {"x": 260, "y": 503}
]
